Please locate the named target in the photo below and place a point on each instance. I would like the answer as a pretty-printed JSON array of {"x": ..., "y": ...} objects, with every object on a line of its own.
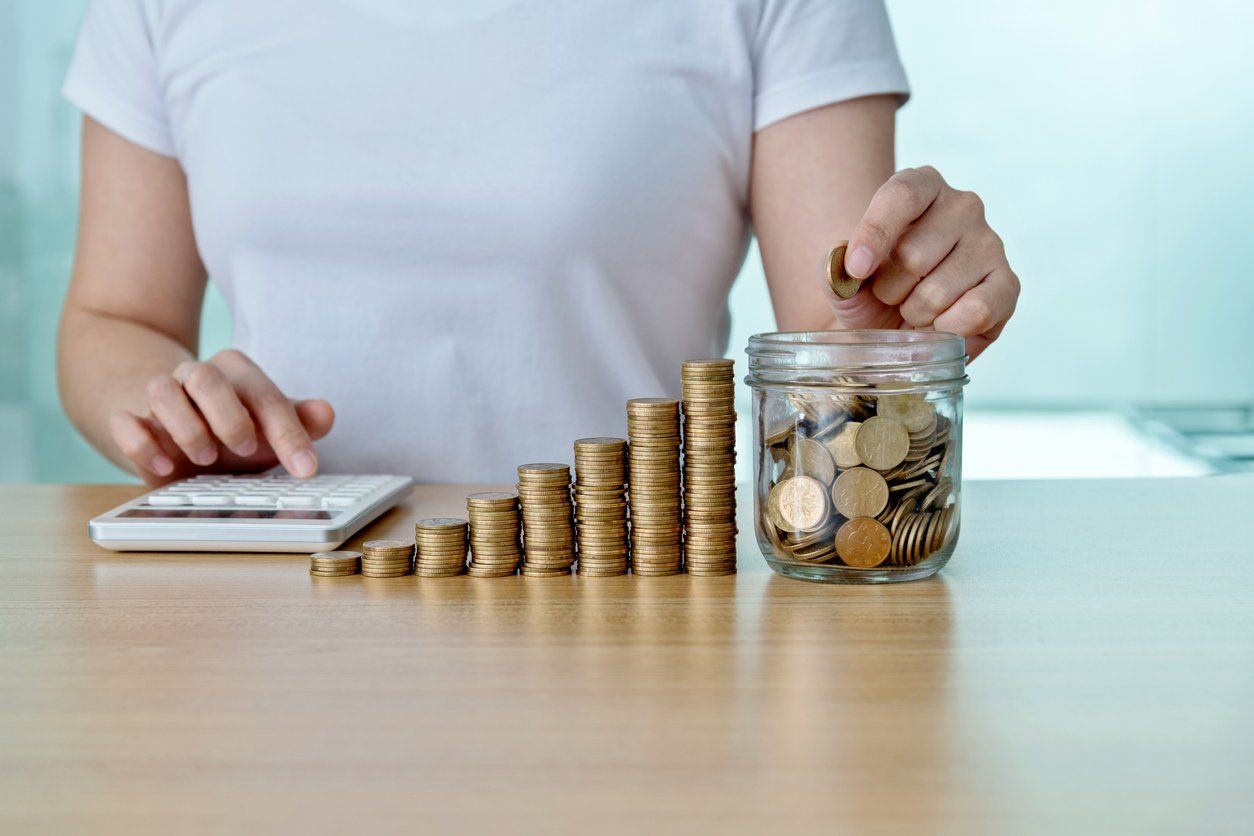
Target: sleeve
[
  {"x": 810, "y": 53},
  {"x": 113, "y": 75}
]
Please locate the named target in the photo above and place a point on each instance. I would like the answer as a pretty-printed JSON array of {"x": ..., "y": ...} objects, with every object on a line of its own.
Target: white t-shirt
[{"x": 476, "y": 227}]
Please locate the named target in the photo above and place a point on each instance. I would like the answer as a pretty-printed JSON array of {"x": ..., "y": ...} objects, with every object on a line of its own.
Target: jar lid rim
[{"x": 854, "y": 336}]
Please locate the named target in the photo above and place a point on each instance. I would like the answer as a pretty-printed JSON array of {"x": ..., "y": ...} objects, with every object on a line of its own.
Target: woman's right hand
[{"x": 221, "y": 415}]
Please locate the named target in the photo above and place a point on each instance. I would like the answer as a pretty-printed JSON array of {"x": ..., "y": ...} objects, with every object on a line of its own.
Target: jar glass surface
[{"x": 857, "y": 452}]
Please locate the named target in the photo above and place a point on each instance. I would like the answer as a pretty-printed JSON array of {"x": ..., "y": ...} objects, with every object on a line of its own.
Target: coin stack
[
  {"x": 601, "y": 505},
  {"x": 386, "y": 558},
  {"x": 548, "y": 530},
  {"x": 653, "y": 478},
  {"x": 334, "y": 564},
  {"x": 863, "y": 480},
  {"x": 441, "y": 543},
  {"x": 709, "y": 467},
  {"x": 494, "y": 528}
]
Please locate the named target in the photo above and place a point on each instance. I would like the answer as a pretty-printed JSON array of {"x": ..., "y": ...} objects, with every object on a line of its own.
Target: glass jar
[{"x": 857, "y": 452}]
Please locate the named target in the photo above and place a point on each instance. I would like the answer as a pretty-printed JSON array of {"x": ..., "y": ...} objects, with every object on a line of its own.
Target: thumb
[{"x": 862, "y": 310}]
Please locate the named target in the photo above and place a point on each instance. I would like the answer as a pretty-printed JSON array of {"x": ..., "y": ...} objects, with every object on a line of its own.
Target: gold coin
[
  {"x": 801, "y": 503},
  {"x": 386, "y": 545},
  {"x": 841, "y": 283},
  {"x": 911, "y": 409},
  {"x": 863, "y": 543},
  {"x": 843, "y": 446},
  {"x": 882, "y": 443},
  {"x": 810, "y": 458},
  {"x": 860, "y": 492}
]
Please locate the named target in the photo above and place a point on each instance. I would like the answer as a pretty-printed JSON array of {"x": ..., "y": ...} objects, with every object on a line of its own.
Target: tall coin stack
[
  {"x": 601, "y": 505},
  {"x": 548, "y": 530},
  {"x": 709, "y": 467},
  {"x": 653, "y": 478},
  {"x": 386, "y": 558},
  {"x": 441, "y": 547},
  {"x": 494, "y": 529}
]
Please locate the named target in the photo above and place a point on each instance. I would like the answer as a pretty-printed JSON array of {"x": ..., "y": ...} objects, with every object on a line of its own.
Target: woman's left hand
[{"x": 936, "y": 262}]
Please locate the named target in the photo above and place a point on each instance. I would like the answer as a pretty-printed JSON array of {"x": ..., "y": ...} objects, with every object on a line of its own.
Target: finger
[
  {"x": 138, "y": 444},
  {"x": 937, "y": 291},
  {"x": 892, "y": 283},
  {"x": 896, "y": 205},
  {"x": 217, "y": 401},
  {"x": 933, "y": 235},
  {"x": 273, "y": 412},
  {"x": 171, "y": 406},
  {"x": 982, "y": 308},
  {"x": 316, "y": 415},
  {"x": 977, "y": 344}
]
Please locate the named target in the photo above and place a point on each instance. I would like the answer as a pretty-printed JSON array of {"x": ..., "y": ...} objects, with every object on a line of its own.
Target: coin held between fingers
[{"x": 842, "y": 284}]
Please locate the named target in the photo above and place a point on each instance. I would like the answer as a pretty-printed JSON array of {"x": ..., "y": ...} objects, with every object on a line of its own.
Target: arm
[
  {"x": 827, "y": 175},
  {"x": 126, "y": 351}
]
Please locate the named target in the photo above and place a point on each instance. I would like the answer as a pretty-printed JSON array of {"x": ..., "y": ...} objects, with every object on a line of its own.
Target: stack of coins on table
[
  {"x": 386, "y": 558},
  {"x": 709, "y": 467},
  {"x": 441, "y": 547},
  {"x": 865, "y": 480},
  {"x": 334, "y": 564},
  {"x": 494, "y": 530},
  {"x": 653, "y": 477},
  {"x": 601, "y": 505},
  {"x": 548, "y": 529}
]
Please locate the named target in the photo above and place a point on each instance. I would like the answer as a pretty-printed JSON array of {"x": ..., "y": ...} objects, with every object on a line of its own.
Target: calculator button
[
  {"x": 256, "y": 500},
  {"x": 211, "y": 499},
  {"x": 298, "y": 502},
  {"x": 167, "y": 499},
  {"x": 338, "y": 501}
]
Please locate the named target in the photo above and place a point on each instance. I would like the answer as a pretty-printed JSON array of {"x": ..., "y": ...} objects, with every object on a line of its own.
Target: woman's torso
[{"x": 476, "y": 228}]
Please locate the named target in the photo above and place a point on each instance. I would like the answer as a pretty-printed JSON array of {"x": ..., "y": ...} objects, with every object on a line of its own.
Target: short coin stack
[
  {"x": 656, "y": 522},
  {"x": 334, "y": 564},
  {"x": 441, "y": 545},
  {"x": 494, "y": 530},
  {"x": 548, "y": 530},
  {"x": 386, "y": 558},
  {"x": 709, "y": 467},
  {"x": 601, "y": 505}
]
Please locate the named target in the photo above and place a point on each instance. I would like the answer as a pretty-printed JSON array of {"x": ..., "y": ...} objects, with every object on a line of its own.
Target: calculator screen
[{"x": 224, "y": 514}]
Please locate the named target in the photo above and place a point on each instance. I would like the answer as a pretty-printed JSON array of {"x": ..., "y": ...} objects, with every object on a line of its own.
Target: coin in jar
[
  {"x": 801, "y": 503},
  {"x": 842, "y": 446},
  {"x": 860, "y": 492},
  {"x": 882, "y": 443},
  {"x": 863, "y": 543}
]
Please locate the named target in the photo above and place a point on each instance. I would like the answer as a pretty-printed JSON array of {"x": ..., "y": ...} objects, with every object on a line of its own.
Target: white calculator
[{"x": 264, "y": 513}]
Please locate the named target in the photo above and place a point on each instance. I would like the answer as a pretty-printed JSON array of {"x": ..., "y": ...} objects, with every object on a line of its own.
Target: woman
[{"x": 476, "y": 228}]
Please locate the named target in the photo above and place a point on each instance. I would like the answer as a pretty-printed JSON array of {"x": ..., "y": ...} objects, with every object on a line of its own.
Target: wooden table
[{"x": 1085, "y": 664}]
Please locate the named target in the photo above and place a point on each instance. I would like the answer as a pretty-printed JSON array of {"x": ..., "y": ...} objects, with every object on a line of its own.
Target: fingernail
[
  {"x": 304, "y": 464},
  {"x": 860, "y": 263},
  {"x": 161, "y": 465},
  {"x": 247, "y": 448},
  {"x": 205, "y": 457}
]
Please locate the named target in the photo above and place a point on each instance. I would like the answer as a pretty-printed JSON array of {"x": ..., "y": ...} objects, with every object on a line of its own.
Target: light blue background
[{"x": 1110, "y": 141}]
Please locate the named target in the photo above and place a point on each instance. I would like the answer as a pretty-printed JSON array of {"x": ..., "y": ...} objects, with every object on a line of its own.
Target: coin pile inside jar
[
  {"x": 548, "y": 530},
  {"x": 709, "y": 467},
  {"x": 601, "y": 505},
  {"x": 861, "y": 479},
  {"x": 334, "y": 564},
  {"x": 386, "y": 558},
  {"x": 494, "y": 531},
  {"x": 441, "y": 547},
  {"x": 653, "y": 478}
]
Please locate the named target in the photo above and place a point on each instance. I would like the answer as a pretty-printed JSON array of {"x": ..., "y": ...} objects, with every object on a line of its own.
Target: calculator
[{"x": 264, "y": 513}]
